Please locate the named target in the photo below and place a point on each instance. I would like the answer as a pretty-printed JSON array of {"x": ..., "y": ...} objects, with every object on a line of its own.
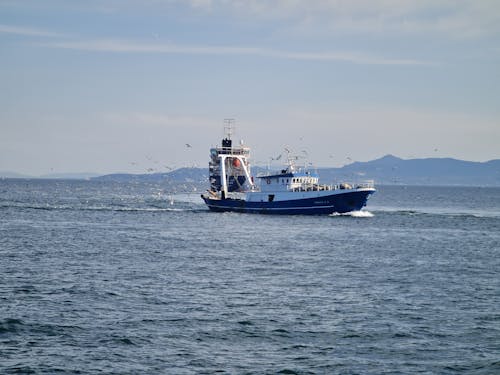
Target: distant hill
[
  {"x": 64, "y": 176},
  {"x": 190, "y": 175},
  {"x": 388, "y": 170},
  {"x": 182, "y": 179},
  {"x": 70, "y": 176},
  {"x": 6, "y": 174},
  {"x": 433, "y": 171}
]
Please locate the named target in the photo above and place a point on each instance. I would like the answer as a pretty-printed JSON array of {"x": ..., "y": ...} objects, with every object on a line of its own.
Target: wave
[
  {"x": 448, "y": 213},
  {"x": 14, "y": 326},
  {"x": 437, "y": 212},
  {"x": 190, "y": 206},
  {"x": 49, "y": 207}
]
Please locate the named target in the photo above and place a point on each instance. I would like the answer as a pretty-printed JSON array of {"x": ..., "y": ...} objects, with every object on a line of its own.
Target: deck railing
[
  {"x": 342, "y": 186},
  {"x": 233, "y": 150}
]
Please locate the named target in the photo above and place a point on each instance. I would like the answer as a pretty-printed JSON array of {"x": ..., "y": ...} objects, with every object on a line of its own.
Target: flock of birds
[
  {"x": 157, "y": 168},
  {"x": 303, "y": 155}
]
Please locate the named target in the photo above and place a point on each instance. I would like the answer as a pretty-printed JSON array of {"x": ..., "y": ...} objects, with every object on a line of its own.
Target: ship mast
[
  {"x": 229, "y": 127},
  {"x": 227, "y": 145},
  {"x": 224, "y": 161}
]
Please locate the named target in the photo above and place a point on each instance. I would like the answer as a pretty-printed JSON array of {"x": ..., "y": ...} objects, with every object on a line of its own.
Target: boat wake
[
  {"x": 438, "y": 212},
  {"x": 112, "y": 208},
  {"x": 361, "y": 214}
]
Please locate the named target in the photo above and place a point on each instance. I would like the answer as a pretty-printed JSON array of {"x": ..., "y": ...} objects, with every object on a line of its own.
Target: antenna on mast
[{"x": 229, "y": 127}]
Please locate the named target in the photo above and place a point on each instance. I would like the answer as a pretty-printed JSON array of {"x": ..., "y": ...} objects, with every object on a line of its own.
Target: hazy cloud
[
  {"x": 127, "y": 98},
  {"x": 154, "y": 119},
  {"x": 123, "y": 46},
  {"x": 452, "y": 18},
  {"x": 27, "y": 31},
  {"x": 463, "y": 18}
]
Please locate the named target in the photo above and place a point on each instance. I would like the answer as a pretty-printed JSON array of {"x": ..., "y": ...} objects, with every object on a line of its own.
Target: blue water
[{"x": 100, "y": 277}]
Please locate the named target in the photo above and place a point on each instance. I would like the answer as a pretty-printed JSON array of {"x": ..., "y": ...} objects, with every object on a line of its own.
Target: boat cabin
[{"x": 288, "y": 181}]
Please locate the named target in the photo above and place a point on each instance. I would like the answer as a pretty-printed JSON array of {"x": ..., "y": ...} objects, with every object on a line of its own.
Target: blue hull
[{"x": 335, "y": 203}]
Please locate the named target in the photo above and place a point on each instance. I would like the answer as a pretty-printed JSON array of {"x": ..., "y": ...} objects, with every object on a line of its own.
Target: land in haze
[{"x": 388, "y": 170}]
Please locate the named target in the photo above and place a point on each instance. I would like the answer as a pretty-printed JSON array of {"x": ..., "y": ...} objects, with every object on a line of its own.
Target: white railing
[
  {"x": 233, "y": 150},
  {"x": 342, "y": 186},
  {"x": 368, "y": 184}
]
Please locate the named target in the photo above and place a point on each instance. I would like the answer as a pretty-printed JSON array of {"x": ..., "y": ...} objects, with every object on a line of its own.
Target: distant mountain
[
  {"x": 6, "y": 174},
  {"x": 186, "y": 175},
  {"x": 433, "y": 171},
  {"x": 388, "y": 170},
  {"x": 65, "y": 176},
  {"x": 70, "y": 176}
]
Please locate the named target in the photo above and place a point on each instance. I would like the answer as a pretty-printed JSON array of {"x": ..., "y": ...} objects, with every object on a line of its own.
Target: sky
[{"x": 107, "y": 86}]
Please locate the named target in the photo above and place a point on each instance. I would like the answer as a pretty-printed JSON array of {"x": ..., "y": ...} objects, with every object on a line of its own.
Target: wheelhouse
[{"x": 288, "y": 181}]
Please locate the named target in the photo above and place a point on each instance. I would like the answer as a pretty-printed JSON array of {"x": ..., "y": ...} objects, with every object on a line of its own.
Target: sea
[{"x": 100, "y": 277}]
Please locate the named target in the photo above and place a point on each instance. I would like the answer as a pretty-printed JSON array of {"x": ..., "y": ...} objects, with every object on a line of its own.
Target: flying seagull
[{"x": 276, "y": 158}]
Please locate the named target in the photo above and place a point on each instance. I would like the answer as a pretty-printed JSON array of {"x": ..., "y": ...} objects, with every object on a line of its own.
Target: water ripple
[{"x": 114, "y": 279}]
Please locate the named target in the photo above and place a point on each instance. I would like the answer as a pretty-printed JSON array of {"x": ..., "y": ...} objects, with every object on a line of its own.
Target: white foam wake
[
  {"x": 360, "y": 214},
  {"x": 355, "y": 214}
]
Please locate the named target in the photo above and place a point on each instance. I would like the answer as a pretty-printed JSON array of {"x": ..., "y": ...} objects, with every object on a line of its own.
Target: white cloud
[
  {"x": 457, "y": 19},
  {"x": 452, "y": 18},
  {"x": 27, "y": 31},
  {"x": 123, "y": 46}
]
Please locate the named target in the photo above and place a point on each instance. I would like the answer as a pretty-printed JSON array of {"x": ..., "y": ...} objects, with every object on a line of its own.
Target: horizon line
[{"x": 4, "y": 174}]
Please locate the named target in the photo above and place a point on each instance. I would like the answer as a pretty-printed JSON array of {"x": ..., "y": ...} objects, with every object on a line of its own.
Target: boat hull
[{"x": 338, "y": 202}]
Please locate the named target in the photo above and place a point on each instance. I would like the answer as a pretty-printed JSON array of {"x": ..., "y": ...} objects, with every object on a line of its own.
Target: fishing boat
[{"x": 291, "y": 190}]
